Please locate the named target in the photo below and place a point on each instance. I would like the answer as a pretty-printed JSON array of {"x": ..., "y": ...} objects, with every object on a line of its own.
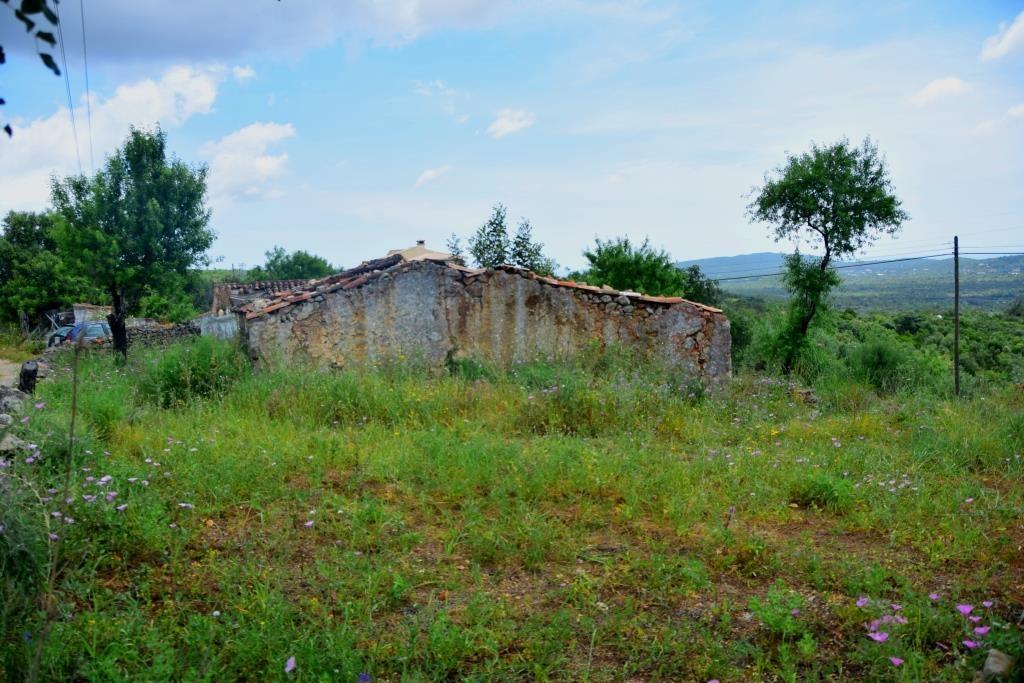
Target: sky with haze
[{"x": 351, "y": 128}]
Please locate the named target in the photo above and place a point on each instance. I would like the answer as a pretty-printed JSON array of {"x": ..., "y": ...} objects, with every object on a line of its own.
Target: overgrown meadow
[{"x": 586, "y": 520}]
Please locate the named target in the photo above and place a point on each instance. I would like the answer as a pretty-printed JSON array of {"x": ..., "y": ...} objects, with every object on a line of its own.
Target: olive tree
[{"x": 837, "y": 198}]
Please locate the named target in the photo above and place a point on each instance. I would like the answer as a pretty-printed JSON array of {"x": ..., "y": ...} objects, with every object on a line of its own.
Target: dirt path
[{"x": 9, "y": 372}]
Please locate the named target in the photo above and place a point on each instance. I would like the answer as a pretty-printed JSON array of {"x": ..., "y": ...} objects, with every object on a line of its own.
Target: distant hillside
[{"x": 984, "y": 283}]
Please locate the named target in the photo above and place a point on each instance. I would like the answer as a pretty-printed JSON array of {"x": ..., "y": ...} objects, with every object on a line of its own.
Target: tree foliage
[
  {"x": 298, "y": 265},
  {"x": 491, "y": 245},
  {"x": 30, "y": 13},
  {"x": 838, "y": 198},
  {"x": 622, "y": 265},
  {"x": 137, "y": 226},
  {"x": 33, "y": 276}
]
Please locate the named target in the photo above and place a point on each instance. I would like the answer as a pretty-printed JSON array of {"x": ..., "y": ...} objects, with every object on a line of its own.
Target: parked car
[
  {"x": 59, "y": 335},
  {"x": 93, "y": 332}
]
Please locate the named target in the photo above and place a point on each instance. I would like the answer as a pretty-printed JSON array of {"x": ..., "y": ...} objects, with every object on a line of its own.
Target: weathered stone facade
[{"x": 435, "y": 310}]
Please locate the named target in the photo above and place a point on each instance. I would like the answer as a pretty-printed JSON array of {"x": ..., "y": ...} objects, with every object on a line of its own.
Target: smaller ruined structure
[
  {"x": 417, "y": 303},
  {"x": 231, "y": 295}
]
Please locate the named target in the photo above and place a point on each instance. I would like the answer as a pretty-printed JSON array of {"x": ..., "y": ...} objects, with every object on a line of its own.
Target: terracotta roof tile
[{"x": 363, "y": 273}]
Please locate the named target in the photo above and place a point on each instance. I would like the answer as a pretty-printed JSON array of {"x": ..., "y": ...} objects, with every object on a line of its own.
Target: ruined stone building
[{"x": 421, "y": 304}]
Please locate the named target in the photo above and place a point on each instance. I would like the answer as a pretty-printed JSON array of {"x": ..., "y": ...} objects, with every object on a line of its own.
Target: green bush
[
  {"x": 881, "y": 364},
  {"x": 201, "y": 368},
  {"x": 822, "y": 491}
]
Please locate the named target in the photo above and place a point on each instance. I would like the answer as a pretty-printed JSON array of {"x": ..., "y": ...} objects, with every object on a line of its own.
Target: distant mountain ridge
[{"x": 989, "y": 283}]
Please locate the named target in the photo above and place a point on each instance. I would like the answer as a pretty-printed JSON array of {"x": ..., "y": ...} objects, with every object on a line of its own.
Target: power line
[
  {"x": 67, "y": 85},
  {"x": 994, "y": 253},
  {"x": 88, "y": 98},
  {"x": 842, "y": 267}
]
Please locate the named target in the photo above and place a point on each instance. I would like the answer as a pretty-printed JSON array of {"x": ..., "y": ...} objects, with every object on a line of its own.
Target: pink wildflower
[
  {"x": 879, "y": 636},
  {"x": 964, "y": 609},
  {"x": 896, "y": 661}
]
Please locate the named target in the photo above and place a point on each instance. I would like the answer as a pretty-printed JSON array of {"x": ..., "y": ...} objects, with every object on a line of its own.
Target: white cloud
[
  {"x": 1008, "y": 38},
  {"x": 243, "y": 73},
  {"x": 510, "y": 121},
  {"x": 940, "y": 87},
  {"x": 45, "y": 147},
  {"x": 435, "y": 87},
  {"x": 1016, "y": 112},
  {"x": 431, "y": 174},
  {"x": 241, "y": 168},
  {"x": 218, "y": 29}
]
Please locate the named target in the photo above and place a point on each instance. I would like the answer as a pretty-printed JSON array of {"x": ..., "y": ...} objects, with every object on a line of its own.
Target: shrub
[
  {"x": 822, "y": 491},
  {"x": 880, "y": 364},
  {"x": 203, "y": 367}
]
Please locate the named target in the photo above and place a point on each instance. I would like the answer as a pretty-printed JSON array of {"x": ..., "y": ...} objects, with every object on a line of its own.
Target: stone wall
[
  {"x": 432, "y": 311},
  {"x": 162, "y": 335},
  {"x": 218, "y": 326}
]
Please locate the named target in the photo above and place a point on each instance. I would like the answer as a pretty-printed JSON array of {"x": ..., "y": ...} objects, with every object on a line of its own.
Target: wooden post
[{"x": 956, "y": 315}]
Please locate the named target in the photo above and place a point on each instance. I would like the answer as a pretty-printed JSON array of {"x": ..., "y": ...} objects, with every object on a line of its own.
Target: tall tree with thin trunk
[
  {"x": 838, "y": 198},
  {"x": 137, "y": 226}
]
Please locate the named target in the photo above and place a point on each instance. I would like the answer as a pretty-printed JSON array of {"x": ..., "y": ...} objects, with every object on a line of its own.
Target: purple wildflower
[
  {"x": 964, "y": 609},
  {"x": 862, "y": 601},
  {"x": 24, "y": 420},
  {"x": 896, "y": 661},
  {"x": 982, "y": 630},
  {"x": 308, "y": 524},
  {"x": 879, "y": 636},
  {"x": 53, "y": 537},
  {"x": 55, "y": 514},
  {"x": 974, "y": 618},
  {"x": 366, "y": 678},
  {"x": 970, "y": 644},
  {"x": 122, "y": 507},
  {"x": 933, "y": 596},
  {"x": 111, "y": 495},
  {"x": 40, "y": 405},
  {"x": 986, "y": 604},
  {"x": 289, "y": 666},
  {"x": 896, "y": 608}
]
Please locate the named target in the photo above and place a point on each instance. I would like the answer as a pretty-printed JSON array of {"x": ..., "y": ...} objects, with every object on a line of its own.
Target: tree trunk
[
  {"x": 805, "y": 320},
  {"x": 23, "y": 322},
  {"x": 117, "y": 320}
]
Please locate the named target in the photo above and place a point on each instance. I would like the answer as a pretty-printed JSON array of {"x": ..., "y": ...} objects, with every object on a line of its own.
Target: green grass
[{"x": 590, "y": 521}]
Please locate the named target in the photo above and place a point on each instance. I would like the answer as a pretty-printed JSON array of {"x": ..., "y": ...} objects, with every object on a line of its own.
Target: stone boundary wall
[{"x": 162, "y": 336}]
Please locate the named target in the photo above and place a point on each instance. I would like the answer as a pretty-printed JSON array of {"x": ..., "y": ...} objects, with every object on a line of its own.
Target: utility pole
[{"x": 956, "y": 315}]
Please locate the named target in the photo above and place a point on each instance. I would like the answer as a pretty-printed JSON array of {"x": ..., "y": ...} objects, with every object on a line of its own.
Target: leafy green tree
[
  {"x": 454, "y": 247},
  {"x": 840, "y": 199},
  {"x": 33, "y": 274},
  {"x": 699, "y": 287},
  {"x": 137, "y": 226},
  {"x": 526, "y": 253},
  {"x": 489, "y": 245},
  {"x": 619, "y": 264},
  {"x": 298, "y": 265}
]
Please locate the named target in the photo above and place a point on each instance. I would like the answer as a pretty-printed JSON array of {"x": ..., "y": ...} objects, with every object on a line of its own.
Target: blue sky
[{"x": 348, "y": 129}]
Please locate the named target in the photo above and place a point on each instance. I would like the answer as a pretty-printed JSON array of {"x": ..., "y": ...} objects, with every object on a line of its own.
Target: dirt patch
[{"x": 9, "y": 371}]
